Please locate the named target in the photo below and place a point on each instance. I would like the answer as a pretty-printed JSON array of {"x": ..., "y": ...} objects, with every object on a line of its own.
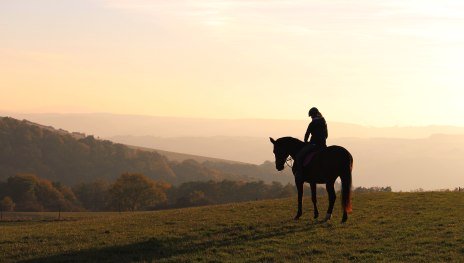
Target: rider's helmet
[{"x": 313, "y": 112}]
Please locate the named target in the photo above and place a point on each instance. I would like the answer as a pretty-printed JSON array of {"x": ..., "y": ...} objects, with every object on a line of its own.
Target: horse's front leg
[
  {"x": 299, "y": 187},
  {"x": 332, "y": 196},
  {"x": 314, "y": 199}
]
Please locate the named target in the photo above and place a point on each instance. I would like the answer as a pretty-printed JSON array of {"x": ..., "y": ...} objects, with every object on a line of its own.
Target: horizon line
[{"x": 2, "y": 112}]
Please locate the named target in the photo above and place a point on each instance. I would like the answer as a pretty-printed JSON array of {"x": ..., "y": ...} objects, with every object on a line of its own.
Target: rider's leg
[{"x": 300, "y": 158}]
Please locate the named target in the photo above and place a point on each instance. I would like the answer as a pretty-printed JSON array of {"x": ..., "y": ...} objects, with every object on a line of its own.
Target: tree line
[
  {"x": 129, "y": 192},
  {"x": 135, "y": 191}
]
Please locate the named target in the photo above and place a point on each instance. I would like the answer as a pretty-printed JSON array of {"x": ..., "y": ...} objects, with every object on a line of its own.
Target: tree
[
  {"x": 94, "y": 195},
  {"x": 136, "y": 192},
  {"x": 195, "y": 198},
  {"x": 49, "y": 197},
  {"x": 32, "y": 193},
  {"x": 6, "y": 205},
  {"x": 22, "y": 188}
]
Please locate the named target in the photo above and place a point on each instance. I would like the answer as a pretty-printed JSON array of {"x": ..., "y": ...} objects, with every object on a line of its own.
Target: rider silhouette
[{"x": 318, "y": 131}]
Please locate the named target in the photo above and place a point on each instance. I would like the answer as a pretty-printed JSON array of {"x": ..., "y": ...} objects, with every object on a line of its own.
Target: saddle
[{"x": 307, "y": 159}]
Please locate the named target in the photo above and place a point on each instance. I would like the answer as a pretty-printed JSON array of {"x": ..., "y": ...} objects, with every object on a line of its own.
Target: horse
[{"x": 325, "y": 167}]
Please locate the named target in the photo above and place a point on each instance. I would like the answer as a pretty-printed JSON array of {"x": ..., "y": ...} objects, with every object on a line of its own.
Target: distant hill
[
  {"x": 434, "y": 162},
  {"x": 254, "y": 150},
  {"x": 108, "y": 125},
  {"x": 179, "y": 157},
  {"x": 265, "y": 171},
  {"x": 70, "y": 158},
  {"x": 404, "y": 158}
]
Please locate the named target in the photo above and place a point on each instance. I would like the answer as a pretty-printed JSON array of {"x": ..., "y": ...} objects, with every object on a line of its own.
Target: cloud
[{"x": 296, "y": 17}]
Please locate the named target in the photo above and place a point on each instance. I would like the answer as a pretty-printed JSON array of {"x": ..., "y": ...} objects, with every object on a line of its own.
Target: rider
[{"x": 318, "y": 130}]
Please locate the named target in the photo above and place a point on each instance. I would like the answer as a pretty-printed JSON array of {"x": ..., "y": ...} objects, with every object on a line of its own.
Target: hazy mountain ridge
[
  {"x": 419, "y": 157},
  {"x": 109, "y": 125},
  {"x": 63, "y": 156},
  {"x": 405, "y": 164},
  {"x": 176, "y": 156}
]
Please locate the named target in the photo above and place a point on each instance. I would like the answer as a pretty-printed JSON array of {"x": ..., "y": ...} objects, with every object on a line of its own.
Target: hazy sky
[{"x": 367, "y": 62}]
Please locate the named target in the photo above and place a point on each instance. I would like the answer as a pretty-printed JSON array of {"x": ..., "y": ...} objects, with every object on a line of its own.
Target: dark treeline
[
  {"x": 57, "y": 155},
  {"x": 129, "y": 192},
  {"x": 132, "y": 192},
  {"x": 27, "y": 192},
  {"x": 208, "y": 193}
]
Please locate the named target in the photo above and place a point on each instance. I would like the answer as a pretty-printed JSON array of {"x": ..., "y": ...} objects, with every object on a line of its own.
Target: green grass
[{"x": 388, "y": 227}]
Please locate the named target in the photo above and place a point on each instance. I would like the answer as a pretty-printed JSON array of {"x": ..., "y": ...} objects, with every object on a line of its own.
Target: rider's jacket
[{"x": 318, "y": 130}]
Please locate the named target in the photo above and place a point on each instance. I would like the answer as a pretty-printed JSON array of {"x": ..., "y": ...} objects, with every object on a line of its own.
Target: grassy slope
[{"x": 384, "y": 227}]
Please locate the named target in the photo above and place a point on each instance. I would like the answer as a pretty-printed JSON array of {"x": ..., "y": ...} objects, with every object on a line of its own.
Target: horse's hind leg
[
  {"x": 345, "y": 217},
  {"x": 332, "y": 196},
  {"x": 314, "y": 199}
]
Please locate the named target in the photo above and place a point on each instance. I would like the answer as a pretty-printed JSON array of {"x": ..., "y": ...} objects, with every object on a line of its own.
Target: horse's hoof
[
  {"x": 296, "y": 218},
  {"x": 327, "y": 217},
  {"x": 316, "y": 216}
]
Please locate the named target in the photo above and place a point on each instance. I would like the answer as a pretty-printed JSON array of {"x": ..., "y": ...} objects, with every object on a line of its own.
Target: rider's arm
[
  {"x": 326, "y": 131},
  {"x": 308, "y": 132}
]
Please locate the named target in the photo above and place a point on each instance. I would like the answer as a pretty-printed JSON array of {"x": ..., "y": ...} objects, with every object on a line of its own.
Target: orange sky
[{"x": 367, "y": 62}]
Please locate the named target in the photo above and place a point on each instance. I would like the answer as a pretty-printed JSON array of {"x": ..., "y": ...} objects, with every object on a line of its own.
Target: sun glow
[{"x": 368, "y": 62}]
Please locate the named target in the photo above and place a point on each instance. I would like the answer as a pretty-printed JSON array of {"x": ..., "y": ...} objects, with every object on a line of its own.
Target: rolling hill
[
  {"x": 405, "y": 158},
  {"x": 179, "y": 157},
  {"x": 430, "y": 163},
  {"x": 72, "y": 158}
]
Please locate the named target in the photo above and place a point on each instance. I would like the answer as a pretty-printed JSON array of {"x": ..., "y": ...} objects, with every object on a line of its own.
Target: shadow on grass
[{"x": 164, "y": 248}]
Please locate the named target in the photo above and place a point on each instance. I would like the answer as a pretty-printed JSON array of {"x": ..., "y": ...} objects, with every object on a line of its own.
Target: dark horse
[{"x": 324, "y": 168}]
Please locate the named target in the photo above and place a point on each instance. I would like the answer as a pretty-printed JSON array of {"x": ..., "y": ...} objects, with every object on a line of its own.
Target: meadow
[{"x": 388, "y": 227}]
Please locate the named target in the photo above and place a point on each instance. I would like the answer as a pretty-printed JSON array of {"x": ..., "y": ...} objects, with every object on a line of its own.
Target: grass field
[{"x": 408, "y": 227}]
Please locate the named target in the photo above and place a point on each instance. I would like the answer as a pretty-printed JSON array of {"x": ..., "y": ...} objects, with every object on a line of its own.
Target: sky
[{"x": 370, "y": 62}]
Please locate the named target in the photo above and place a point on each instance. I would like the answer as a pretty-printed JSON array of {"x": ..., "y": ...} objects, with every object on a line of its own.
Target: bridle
[{"x": 289, "y": 159}]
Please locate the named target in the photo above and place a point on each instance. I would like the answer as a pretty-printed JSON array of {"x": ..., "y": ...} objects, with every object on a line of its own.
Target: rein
[{"x": 289, "y": 159}]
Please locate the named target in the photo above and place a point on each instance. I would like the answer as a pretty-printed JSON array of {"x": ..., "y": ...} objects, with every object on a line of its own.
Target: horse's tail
[{"x": 346, "y": 187}]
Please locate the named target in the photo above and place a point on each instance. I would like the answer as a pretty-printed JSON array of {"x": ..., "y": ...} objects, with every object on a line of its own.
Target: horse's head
[{"x": 281, "y": 154}]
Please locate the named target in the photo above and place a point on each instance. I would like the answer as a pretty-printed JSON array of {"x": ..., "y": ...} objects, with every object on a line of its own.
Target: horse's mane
[
  {"x": 289, "y": 139},
  {"x": 290, "y": 143}
]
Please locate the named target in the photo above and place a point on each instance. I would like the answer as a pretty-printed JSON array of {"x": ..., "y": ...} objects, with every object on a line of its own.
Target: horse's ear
[{"x": 272, "y": 140}]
